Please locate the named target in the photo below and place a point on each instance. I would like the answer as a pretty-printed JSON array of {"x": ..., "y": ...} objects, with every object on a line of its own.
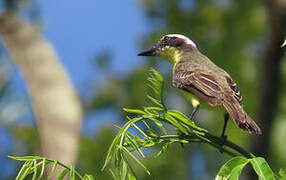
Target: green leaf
[
  {"x": 62, "y": 174},
  {"x": 35, "y": 170},
  {"x": 118, "y": 157},
  {"x": 43, "y": 168},
  {"x": 26, "y": 158},
  {"x": 155, "y": 101},
  {"x": 140, "y": 131},
  {"x": 130, "y": 167},
  {"x": 111, "y": 151},
  {"x": 155, "y": 89},
  {"x": 88, "y": 177},
  {"x": 157, "y": 75},
  {"x": 131, "y": 177},
  {"x": 72, "y": 173},
  {"x": 149, "y": 144},
  {"x": 112, "y": 174},
  {"x": 123, "y": 170},
  {"x": 183, "y": 118},
  {"x": 163, "y": 149},
  {"x": 152, "y": 110},
  {"x": 282, "y": 173},
  {"x": 53, "y": 169},
  {"x": 135, "y": 111},
  {"x": 135, "y": 146},
  {"x": 22, "y": 173},
  {"x": 175, "y": 123},
  {"x": 262, "y": 168},
  {"x": 232, "y": 168},
  {"x": 125, "y": 128},
  {"x": 27, "y": 171},
  {"x": 159, "y": 124},
  {"x": 138, "y": 162}
]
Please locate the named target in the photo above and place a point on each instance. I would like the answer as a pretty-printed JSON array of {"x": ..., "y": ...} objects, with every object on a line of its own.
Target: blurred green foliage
[{"x": 232, "y": 34}]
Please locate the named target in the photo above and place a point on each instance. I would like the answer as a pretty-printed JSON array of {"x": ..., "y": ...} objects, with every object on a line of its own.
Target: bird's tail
[{"x": 240, "y": 117}]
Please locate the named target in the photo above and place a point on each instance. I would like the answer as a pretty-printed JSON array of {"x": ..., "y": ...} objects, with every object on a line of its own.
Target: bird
[{"x": 202, "y": 81}]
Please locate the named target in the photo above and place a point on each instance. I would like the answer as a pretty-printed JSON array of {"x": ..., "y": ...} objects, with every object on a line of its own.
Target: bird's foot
[
  {"x": 224, "y": 137},
  {"x": 194, "y": 112}
]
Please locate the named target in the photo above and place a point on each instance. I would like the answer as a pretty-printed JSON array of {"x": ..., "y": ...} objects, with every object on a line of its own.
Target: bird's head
[{"x": 170, "y": 47}]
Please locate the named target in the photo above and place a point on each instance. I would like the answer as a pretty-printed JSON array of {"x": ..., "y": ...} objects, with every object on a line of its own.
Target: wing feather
[
  {"x": 202, "y": 84},
  {"x": 234, "y": 88}
]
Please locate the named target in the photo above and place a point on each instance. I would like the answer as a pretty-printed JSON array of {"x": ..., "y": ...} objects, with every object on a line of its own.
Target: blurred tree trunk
[
  {"x": 55, "y": 103},
  {"x": 270, "y": 81}
]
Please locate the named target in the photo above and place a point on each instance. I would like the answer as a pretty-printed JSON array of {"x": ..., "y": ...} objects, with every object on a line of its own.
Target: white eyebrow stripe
[{"x": 187, "y": 40}]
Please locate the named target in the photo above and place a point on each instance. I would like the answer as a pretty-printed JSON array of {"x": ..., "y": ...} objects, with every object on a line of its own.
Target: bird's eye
[{"x": 166, "y": 38}]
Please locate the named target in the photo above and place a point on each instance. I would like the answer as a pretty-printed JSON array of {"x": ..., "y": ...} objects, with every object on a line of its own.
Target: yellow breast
[{"x": 171, "y": 54}]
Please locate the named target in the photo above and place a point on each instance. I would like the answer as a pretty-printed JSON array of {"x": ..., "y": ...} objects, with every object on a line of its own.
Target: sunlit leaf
[
  {"x": 135, "y": 111},
  {"x": 163, "y": 149},
  {"x": 123, "y": 170},
  {"x": 152, "y": 110},
  {"x": 72, "y": 173},
  {"x": 26, "y": 172},
  {"x": 62, "y": 174},
  {"x": 135, "y": 146},
  {"x": 157, "y": 75},
  {"x": 155, "y": 101},
  {"x": 35, "y": 170},
  {"x": 110, "y": 151},
  {"x": 43, "y": 168},
  {"x": 21, "y": 174},
  {"x": 130, "y": 168},
  {"x": 53, "y": 169},
  {"x": 159, "y": 124},
  {"x": 118, "y": 158},
  {"x": 262, "y": 168},
  {"x": 282, "y": 173},
  {"x": 183, "y": 118},
  {"x": 112, "y": 174},
  {"x": 175, "y": 123},
  {"x": 232, "y": 168},
  {"x": 88, "y": 177},
  {"x": 155, "y": 88},
  {"x": 138, "y": 162},
  {"x": 131, "y": 177},
  {"x": 26, "y": 158}
]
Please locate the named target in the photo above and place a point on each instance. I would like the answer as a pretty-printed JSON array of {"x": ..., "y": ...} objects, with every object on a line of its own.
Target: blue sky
[{"x": 81, "y": 29}]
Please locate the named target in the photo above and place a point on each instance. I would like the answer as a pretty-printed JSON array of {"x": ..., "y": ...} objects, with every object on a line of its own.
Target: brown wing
[
  {"x": 233, "y": 103},
  {"x": 234, "y": 88},
  {"x": 201, "y": 84}
]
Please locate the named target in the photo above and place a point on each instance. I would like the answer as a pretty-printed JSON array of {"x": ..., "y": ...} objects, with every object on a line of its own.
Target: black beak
[{"x": 149, "y": 52}]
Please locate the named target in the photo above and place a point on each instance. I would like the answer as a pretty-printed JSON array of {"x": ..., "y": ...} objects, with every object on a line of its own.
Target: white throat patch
[{"x": 187, "y": 40}]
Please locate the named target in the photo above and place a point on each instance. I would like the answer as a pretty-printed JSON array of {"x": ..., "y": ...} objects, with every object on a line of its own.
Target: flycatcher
[{"x": 201, "y": 79}]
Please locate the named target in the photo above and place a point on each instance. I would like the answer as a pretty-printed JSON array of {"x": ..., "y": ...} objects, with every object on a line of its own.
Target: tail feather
[{"x": 241, "y": 118}]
